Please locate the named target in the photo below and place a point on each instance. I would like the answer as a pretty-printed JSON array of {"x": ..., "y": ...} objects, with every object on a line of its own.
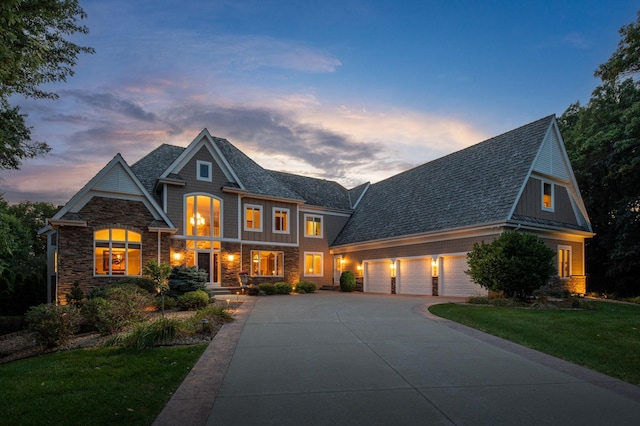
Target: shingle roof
[
  {"x": 316, "y": 192},
  {"x": 473, "y": 186},
  {"x": 152, "y": 165}
]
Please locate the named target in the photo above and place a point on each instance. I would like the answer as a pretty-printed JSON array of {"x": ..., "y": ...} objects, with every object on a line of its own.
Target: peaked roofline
[
  {"x": 207, "y": 140},
  {"x": 79, "y": 200}
]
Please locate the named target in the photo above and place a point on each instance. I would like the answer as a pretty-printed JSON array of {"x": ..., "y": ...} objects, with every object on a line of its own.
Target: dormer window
[
  {"x": 547, "y": 196},
  {"x": 203, "y": 170}
]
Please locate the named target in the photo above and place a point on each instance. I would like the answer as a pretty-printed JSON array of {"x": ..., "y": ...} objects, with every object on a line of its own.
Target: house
[{"x": 211, "y": 206}]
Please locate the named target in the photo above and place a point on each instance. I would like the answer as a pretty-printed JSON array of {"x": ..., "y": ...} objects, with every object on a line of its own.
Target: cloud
[{"x": 576, "y": 40}]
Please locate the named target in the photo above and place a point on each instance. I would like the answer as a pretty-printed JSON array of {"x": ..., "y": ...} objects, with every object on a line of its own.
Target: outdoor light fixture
[
  {"x": 177, "y": 256},
  {"x": 230, "y": 258}
]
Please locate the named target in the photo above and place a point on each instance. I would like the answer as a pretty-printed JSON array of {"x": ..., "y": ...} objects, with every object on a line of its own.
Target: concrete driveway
[{"x": 358, "y": 359}]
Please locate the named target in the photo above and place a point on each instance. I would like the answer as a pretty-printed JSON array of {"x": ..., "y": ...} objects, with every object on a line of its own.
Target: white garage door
[
  {"x": 454, "y": 282},
  {"x": 377, "y": 277},
  {"x": 414, "y": 276}
]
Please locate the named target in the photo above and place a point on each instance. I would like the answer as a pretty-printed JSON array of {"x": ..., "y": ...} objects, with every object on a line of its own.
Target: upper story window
[
  {"x": 117, "y": 252},
  {"x": 202, "y": 216},
  {"x": 203, "y": 170},
  {"x": 564, "y": 261},
  {"x": 280, "y": 220},
  {"x": 547, "y": 196},
  {"x": 252, "y": 217},
  {"x": 312, "y": 226}
]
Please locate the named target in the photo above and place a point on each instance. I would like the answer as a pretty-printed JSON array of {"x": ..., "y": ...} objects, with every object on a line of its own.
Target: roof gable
[
  {"x": 115, "y": 180},
  {"x": 477, "y": 185}
]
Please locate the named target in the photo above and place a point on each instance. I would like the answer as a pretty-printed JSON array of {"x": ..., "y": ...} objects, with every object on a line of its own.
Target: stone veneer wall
[
  {"x": 291, "y": 263},
  {"x": 75, "y": 244},
  {"x": 577, "y": 284}
]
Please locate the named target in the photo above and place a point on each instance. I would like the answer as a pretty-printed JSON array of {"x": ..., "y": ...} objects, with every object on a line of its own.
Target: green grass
[
  {"x": 606, "y": 339},
  {"x": 103, "y": 386}
]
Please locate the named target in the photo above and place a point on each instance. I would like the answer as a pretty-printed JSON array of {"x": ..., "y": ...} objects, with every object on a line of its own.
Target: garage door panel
[
  {"x": 377, "y": 277},
  {"x": 453, "y": 280},
  {"x": 414, "y": 277}
]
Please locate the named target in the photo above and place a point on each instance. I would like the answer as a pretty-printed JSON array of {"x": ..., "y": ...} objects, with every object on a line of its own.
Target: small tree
[
  {"x": 516, "y": 263},
  {"x": 186, "y": 278},
  {"x": 159, "y": 273},
  {"x": 347, "y": 281}
]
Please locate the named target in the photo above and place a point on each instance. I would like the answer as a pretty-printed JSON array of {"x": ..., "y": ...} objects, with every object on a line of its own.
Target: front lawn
[
  {"x": 103, "y": 386},
  {"x": 606, "y": 339}
]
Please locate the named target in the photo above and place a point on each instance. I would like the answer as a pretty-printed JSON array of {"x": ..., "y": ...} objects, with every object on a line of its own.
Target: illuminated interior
[
  {"x": 117, "y": 252},
  {"x": 267, "y": 263},
  {"x": 313, "y": 264},
  {"x": 313, "y": 226},
  {"x": 202, "y": 216}
]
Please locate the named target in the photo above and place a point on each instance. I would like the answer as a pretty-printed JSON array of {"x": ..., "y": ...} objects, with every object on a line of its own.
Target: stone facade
[
  {"x": 74, "y": 244},
  {"x": 291, "y": 263}
]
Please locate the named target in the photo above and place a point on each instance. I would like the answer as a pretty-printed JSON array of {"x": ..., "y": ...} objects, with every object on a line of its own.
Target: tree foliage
[
  {"x": 515, "y": 263},
  {"x": 603, "y": 142},
  {"x": 34, "y": 50},
  {"x": 23, "y": 255}
]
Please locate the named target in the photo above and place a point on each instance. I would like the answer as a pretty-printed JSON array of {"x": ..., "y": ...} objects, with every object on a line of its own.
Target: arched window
[
  {"x": 202, "y": 216},
  {"x": 117, "y": 252}
]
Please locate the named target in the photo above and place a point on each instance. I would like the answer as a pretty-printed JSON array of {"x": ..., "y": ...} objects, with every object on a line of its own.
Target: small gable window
[
  {"x": 252, "y": 218},
  {"x": 204, "y": 170},
  {"x": 280, "y": 220},
  {"x": 117, "y": 252},
  {"x": 313, "y": 226},
  {"x": 547, "y": 196}
]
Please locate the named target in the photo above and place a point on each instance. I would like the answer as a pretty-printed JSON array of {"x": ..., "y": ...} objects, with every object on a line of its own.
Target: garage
[
  {"x": 377, "y": 277},
  {"x": 454, "y": 282},
  {"x": 414, "y": 276}
]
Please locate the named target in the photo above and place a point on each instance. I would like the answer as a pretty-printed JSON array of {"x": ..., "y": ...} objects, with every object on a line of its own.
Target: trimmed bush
[
  {"x": 120, "y": 307},
  {"x": 163, "y": 331},
  {"x": 144, "y": 283},
  {"x": 267, "y": 288},
  {"x": 282, "y": 288},
  {"x": 193, "y": 300},
  {"x": 347, "y": 281},
  {"x": 52, "y": 325},
  {"x": 305, "y": 287}
]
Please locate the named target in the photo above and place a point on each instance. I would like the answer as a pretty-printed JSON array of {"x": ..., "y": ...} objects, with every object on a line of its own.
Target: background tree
[
  {"x": 34, "y": 50},
  {"x": 603, "y": 143},
  {"x": 515, "y": 263},
  {"x": 23, "y": 255}
]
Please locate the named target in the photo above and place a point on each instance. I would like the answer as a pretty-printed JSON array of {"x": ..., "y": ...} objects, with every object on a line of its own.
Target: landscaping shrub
[
  {"x": 478, "y": 300},
  {"x": 193, "y": 300},
  {"x": 76, "y": 295},
  {"x": 347, "y": 281},
  {"x": 184, "y": 279},
  {"x": 305, "y": 287},
  {"x": 516, "y": 263},
  {"x": 144, "y": 283},
  {"x": 159, "y": 332},
  {"x": 267, "y": 288},
  {"x": 282, "y": 288},
  {"x": 119, "y": 307},
  {"x": 52, "y": 325}
]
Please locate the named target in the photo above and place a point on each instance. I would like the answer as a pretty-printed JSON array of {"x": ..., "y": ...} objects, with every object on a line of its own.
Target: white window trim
[
  {"x": 110, "y": 241},
  {"x": 570, "y": 271},
  {"x": 260, "y": 254},
  {"x": 244, "y": 218},
  {"x": 314, "y": 216},
  {"x": 314, "y": 253},
  {"x": 553, "y": 200},
  {"x": 273, "y": 220},
  {"x": 198, "y": 175}
]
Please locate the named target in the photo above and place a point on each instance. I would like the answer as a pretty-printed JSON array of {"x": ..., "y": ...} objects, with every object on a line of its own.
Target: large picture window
[
  {"x": 202, "y": 217},
  {"x": 117, "y": 252},
  {"x": 312, "y": 226},
  {"x": 313, "y": 264},
  {"x": 267, "y": 263}
]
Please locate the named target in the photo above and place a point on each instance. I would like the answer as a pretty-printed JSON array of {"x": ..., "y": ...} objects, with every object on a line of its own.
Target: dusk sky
[{"x": 349, "y": 90}]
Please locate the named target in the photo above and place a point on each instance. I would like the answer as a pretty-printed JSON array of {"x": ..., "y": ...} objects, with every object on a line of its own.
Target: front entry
[
  {"x": 204, "y": 263},
  {"x": 337, "y": 269}
]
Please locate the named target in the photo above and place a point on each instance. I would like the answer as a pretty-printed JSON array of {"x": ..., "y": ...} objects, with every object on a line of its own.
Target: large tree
[
  {"x": 603, "y": 142},
  {"x": 34, "y": 50}
]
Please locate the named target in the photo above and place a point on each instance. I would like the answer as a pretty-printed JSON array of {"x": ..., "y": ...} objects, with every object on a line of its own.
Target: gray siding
[
  {"x": 530, "y": 203},
  {"x": 267, "y": 234}
]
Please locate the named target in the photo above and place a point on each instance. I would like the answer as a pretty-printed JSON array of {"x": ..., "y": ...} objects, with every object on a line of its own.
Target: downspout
[{"x": 159, "y": 242}]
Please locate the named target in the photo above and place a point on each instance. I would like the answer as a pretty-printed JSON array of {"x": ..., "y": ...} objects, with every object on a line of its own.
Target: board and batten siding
[
  {"x": 530, "y": 203},
  {"x": 267, "y": 234}
]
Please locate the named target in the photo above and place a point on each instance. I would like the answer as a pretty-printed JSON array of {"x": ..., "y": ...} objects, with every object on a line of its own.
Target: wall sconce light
[
  {"x": 359, "y": 267},
  {"x": 342, "y": 260},
  {"x": 434, "y": 267},
  {"x": 230, "y": 258},
  {"x": 177, "y": 256}
]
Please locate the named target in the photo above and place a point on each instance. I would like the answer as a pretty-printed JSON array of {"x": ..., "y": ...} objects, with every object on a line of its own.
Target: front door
[{"x": 204, "y": 263}]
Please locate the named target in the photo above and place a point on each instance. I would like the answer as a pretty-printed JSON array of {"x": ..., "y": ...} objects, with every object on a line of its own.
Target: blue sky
[{"x": 349, "y": 90}]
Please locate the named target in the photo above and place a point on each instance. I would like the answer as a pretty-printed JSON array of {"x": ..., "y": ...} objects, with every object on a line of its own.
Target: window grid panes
[
  {"x": 281, "y": 221},
  {"x": 313, "y": 264},
  {"x": 267, "y": 263},
  {"x": 313, "y": 226},
  {"x": 117, "y": 252}
]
